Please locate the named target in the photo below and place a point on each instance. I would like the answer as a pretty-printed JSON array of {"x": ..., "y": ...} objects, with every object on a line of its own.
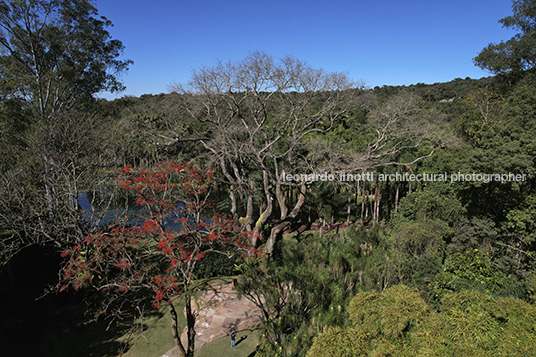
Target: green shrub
[
  {"x": 399, "y": 323},
  {"x": 339, "y": 342}
]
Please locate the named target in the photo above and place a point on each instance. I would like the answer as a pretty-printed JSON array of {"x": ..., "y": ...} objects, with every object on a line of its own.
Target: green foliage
[
  {"x": 390, "y": 315},
  {"x": 473, "y": 270},
  {"x": 473, "y": 323},
  {"x": 15, "y": 121},
  {"x": 476, "y": 233},
  {"x": 59, "y": 51},
  {"x": 216, "y": 264},
  {"x": 379, "y": 325},
  {"x": 326, "y": 201},
  {"x": 420, "y": 233},
  {"x": 519, "y": 327},
  {"x": 507, "y": 145},
  {"x": 435, "y": 202},
  {"x": 399, "y": 323},
  {"x": 459, "y": 245},
  {"x": 482, "y": 110},
  {"x": 521, "y": 221},
  {"x": 421, "y": 237},
  {"x": 54, "y": 57},
  {"x": 339, "y": 342},
  {"x": 516, "y": 54},
  {"x": 308, "y": 286},
  {"x": 457, "y": 88}
]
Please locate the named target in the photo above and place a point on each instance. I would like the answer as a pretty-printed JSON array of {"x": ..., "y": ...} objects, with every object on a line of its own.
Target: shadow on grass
[
  {"x": 240, "y": 340},
  {"x": 247, "y": 341},
  {"x": 48, "y": 327},
  {"x": 75, "y": 337},
  {"x": 85, "y": 340},
  {"x": 56, "y": 326}
]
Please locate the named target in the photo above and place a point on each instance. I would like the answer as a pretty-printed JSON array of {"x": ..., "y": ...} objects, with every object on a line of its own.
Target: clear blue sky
[{"x": 382, "y": 42}]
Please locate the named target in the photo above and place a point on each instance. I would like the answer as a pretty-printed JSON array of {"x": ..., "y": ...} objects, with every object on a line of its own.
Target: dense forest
[{"x": 395, "y": 220}]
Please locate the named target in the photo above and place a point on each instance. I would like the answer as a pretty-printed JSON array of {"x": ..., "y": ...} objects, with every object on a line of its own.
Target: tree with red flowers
[{"x": 134, "y": 260}]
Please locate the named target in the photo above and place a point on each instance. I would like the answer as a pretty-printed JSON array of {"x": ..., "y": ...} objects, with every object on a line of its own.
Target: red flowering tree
[{"x": 137, "y": 259}]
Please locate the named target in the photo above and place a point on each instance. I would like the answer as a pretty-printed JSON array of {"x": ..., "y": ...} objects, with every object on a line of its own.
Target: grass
[
  {"x": 247, "y": 340},
  {"x": 72, "y": 337},
  {"x": 75, "y": 338},
  {"x": 156, "y": 338}
]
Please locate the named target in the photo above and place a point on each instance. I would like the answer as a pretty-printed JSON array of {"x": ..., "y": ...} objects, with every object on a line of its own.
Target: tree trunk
[
  {"x": 377, "y": 196},
  {"x": 232, "y": 196},
  {"x": 356, "y": 199},
  {"x": 367, "y": 203},
  {"x": 349, "y": 210},
  {"x": 175, "y": 329},
  {"x": 374, "y": 207},
  {"x": 190, "y": 323},
  {"x": 232, "y": 183},
  {"x": 49, "y": 191},
  {"x": 397, "y": 196},
  {"x": 274, "y": 233},
  {"x": 363, "y": 205},
  {"x": 249, "y": 212},
  {"x": 282, "y": 200},
  {"x": 265, "y": 214}
]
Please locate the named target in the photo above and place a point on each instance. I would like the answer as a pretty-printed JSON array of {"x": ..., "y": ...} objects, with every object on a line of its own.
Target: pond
[{"x": 99, "y": 218}]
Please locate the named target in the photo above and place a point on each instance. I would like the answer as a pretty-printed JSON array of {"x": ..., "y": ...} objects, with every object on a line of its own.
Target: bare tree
[
  {"x": 54, "y": 56},
  {"x": 76, "y": 146},
  {"x": 258, "y": 114},
  {"x": 264, "y": 117}
]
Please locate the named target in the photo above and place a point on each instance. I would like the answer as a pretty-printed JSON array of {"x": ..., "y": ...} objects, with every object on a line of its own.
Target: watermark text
[{"x": 369, "y": 176}]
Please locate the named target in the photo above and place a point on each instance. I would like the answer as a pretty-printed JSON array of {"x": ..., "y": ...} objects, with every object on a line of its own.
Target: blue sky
[{"x": 381, "y": 42}]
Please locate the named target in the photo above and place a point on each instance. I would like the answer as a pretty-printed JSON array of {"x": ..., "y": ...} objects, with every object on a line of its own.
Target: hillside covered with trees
[{"x": 395, "y": 220}]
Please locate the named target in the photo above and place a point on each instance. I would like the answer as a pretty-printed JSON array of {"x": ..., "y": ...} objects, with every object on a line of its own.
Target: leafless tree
[
  {"x": 263, "y": 117},
  {"x": 76, "y": 147}
]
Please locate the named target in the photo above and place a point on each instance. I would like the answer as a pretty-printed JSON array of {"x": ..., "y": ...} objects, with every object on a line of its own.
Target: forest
[{"x": 385, "y": 221}]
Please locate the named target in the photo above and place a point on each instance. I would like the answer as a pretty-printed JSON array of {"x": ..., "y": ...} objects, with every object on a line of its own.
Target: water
[{"x": 99, "y": 218}]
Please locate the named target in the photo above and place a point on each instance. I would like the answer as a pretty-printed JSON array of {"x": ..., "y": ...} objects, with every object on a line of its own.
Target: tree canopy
[
  {"x": 55, "y": 55},
  {"x": 519, "y": 52},
  {"x": 57, "y": 52}
]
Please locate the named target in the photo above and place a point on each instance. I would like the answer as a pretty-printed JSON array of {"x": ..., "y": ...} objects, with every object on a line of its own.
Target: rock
[{"x": 219, "y": 313}]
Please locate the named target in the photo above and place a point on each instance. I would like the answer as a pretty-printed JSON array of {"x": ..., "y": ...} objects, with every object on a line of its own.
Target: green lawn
[
  {"x": 247, "y": 341},
  {"x": 156, "y": 339}
]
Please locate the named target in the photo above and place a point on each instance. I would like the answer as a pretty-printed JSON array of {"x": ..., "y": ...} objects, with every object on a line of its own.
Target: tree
[
  {"x": 400, "y": 323},
  {"x": 55, "y": 55},
  {"x": 482, "y": 111},
  {"x": 80, "y": 141},
  {"x": 475, "y": 270},
  {"x": 306, "y": 287},
  {"x": 259, "y": 112},
  {"x": 56, "y": 52},
  {"x": 265, "y": 118},
  {"x": 134, "y": 261},
  {"x": 518, "y": 53}
]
